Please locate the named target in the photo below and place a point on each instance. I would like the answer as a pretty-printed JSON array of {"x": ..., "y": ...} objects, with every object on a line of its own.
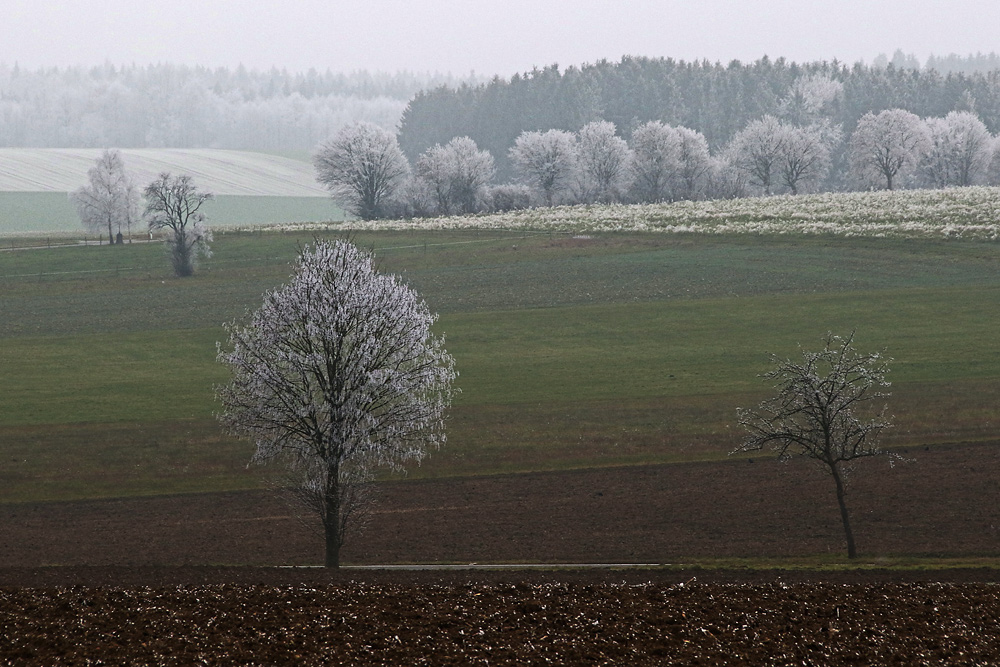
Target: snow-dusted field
[{"x": 223, "y": 172}]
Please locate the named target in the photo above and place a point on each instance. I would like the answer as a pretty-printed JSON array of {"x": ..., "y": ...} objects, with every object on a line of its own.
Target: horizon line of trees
[
  {"x": 179, "y": 106},
  {"x": 368, "y": 173},
  {"x": 714, "y": 99}
]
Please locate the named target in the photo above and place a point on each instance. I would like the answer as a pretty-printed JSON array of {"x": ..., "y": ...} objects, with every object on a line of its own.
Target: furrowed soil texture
[{"x": 504, "y": 624}]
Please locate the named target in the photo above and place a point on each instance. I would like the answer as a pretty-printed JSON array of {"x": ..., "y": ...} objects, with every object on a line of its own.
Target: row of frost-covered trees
[
  {"x": 368, "y": 173},
  {"x": 716, "y": 100}
]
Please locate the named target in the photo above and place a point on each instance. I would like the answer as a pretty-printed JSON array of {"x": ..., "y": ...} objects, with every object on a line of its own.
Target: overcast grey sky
[{"x": 487, "y": 36}]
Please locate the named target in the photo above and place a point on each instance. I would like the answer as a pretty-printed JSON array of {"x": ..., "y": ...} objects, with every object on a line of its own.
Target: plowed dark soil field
[
  {"x": 504, "y": 624},
  {"x": 187, "y": 579}
]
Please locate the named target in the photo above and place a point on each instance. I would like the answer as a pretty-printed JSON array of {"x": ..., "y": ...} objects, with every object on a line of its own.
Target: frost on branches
[
  {"x": 817, "y": 412},
  {"x": 110, "y": 200},
  {"x": 174, "y": 203},
  {"x": 335, "y": 375}
]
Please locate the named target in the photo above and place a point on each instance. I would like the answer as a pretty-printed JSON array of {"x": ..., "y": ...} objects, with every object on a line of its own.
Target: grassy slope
[
  {"x": 52, "y": 212},
  {"x": 572, "y": 352}
]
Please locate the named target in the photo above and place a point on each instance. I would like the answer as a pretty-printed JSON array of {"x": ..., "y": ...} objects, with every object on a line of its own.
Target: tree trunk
[
  {"x": 331, "y": 516},
  {"x": 851, "y": 552},
  {"x": 332, "y": 531}
]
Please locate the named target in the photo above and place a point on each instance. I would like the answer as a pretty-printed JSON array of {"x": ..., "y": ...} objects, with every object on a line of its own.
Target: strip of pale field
[
  {"x": 30, "y": 215},
  {"x": 572, "y": 352},
  {"x": 224, "y": 172}
]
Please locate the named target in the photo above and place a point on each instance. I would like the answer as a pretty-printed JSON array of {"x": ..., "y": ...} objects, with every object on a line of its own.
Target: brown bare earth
[
  {"x": 190, "y": 579},
  {"x": 943, "y": 502}
]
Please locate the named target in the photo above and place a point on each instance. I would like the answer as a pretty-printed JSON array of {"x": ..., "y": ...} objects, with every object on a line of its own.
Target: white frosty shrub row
[{"x": 972, "y": 212}]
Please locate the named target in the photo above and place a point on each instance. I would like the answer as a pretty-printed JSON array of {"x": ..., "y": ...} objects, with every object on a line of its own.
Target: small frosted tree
[
  {"x": 335, "y": 375},
  {"x": 545, "y": 161},
  {"x": 811, "y": 98},
  {"x": 655, "y": 161},
  {"x": 668, "y": 163},
  {"x": 458, "y": 174},
  {"x": 362, "y": 167},
  {"x": 757, "y": 149},
  {"x": 959, "y": 151},
  {"x": 110, "y": 200},
  {"x": 695, "y": 164},
  {"x": 804, "y": 159},
  {"x": 173, "y": 203},
  {"x": 886, "y": 146},
  {"x": 817, "y": 412}
]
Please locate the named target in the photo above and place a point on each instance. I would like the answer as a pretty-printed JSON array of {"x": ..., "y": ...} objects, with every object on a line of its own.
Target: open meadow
[
  {"x": 576, "y": 351},
  {"x": 600, "y": 373}
]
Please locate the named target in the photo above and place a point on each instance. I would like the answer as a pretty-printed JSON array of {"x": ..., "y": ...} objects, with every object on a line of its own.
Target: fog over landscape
[
  {"x": 489, "y": 37},
  {"x": 466, "y": 331}
]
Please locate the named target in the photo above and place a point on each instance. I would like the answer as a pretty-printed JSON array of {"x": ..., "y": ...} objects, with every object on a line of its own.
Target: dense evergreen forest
[
  {"x": 716, "y": 99},
  {"x": 169, "y": 106}
]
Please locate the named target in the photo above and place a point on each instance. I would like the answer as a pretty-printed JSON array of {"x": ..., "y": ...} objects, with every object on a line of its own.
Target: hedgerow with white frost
[{"x": 971, "y": 213}]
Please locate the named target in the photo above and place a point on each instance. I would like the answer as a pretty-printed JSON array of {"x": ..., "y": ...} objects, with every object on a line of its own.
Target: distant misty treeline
[
  {"x": 717, "y": 100},
  {"x": 950, "y": 64},
  {"x": 170, "y": 106}
]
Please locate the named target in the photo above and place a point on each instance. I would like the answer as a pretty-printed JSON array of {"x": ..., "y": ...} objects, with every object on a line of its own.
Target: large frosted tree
[
  {"x": 362, "y": 167},
  {"x": 110, "y": 200},
  {"x": 886, "y": 146},
  {"x": 337, "y": 374}
]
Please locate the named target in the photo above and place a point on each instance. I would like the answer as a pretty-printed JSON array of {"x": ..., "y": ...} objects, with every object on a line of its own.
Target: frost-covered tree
[
  {"x": 173, "y": 203},
  {"x": 336, "y": 375},
  {"x": 959, "y": 151},
  {"x": 362, "y": 167},
  {"x": 810, "y": 98},
  {"x": 695, "y": 163},
  {"x": 110, "y": 201},
  {"x": 546, "y": 161},
  {"x": 458, "y": 174},
  {"x": 993, "y": 172},
  {"x": 603, "y": 162},
  {"x": 804, "y": 159},
  {"x": 886, "y": 146},
  {"x": 756, "y": 150},
  {"x": 668, "y": 162},
  {"x": 655, "y": 161},
  {"x": 821, "y": 412}
]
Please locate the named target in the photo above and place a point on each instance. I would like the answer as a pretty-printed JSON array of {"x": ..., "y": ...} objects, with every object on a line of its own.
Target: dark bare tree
[
  {"x": 174, "y": 203},
  {"x": 817, "y": 412},
  {"x": 336, "y": 375}
]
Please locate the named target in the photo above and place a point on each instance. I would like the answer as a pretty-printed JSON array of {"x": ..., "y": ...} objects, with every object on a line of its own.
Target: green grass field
[
  {"x": 620, "y": 348},
  {"x": 38, "y": 213}
]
